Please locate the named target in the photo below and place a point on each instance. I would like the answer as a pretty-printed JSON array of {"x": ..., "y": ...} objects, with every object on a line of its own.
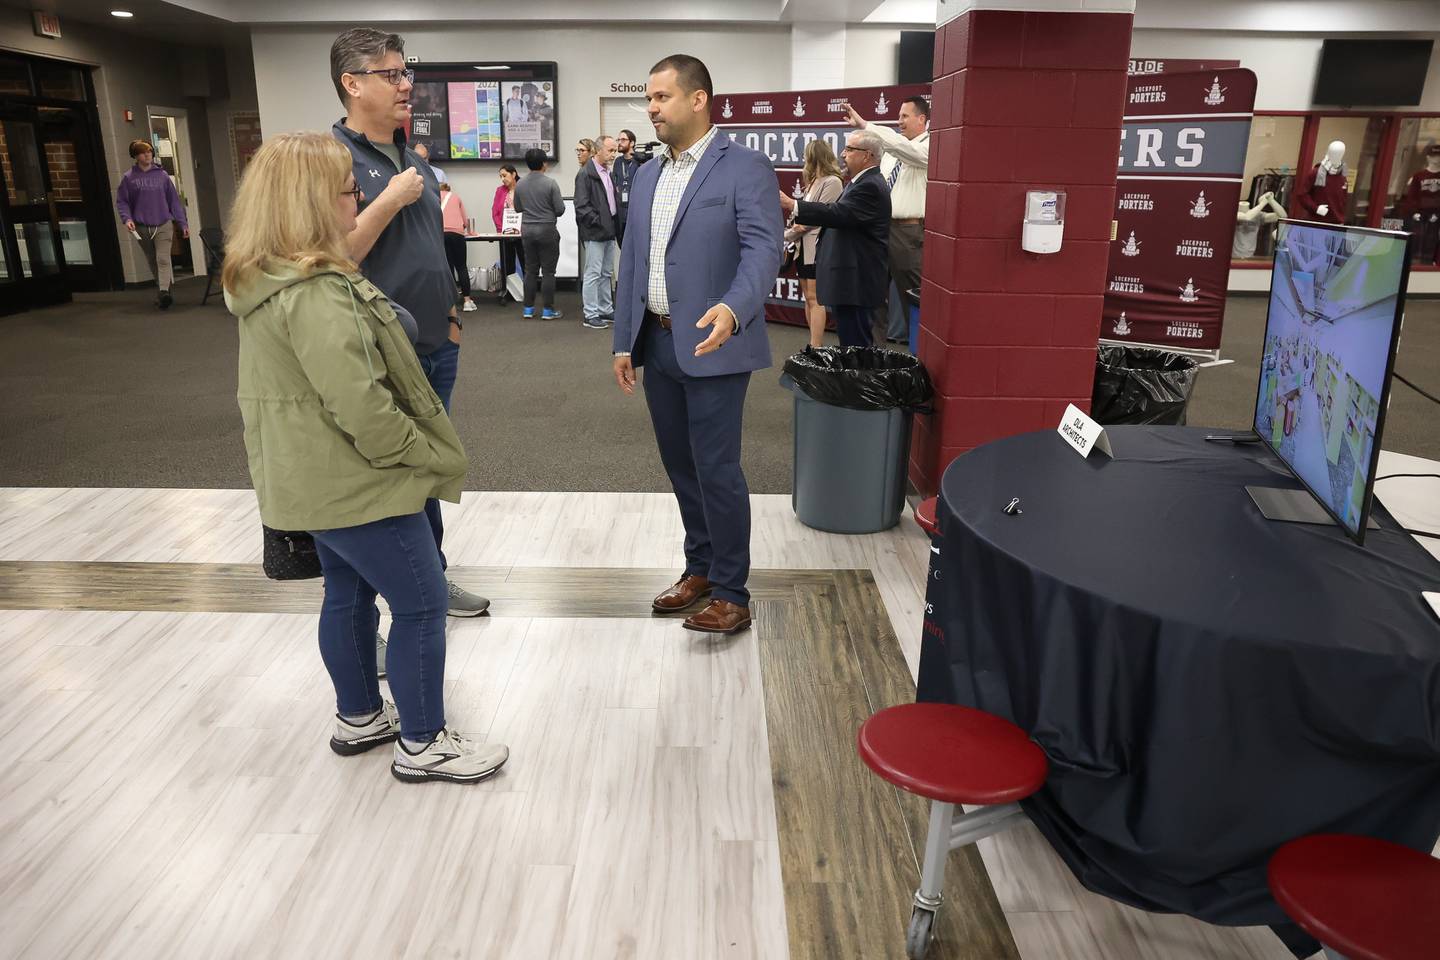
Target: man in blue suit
[{"x": 702, "y": 248}]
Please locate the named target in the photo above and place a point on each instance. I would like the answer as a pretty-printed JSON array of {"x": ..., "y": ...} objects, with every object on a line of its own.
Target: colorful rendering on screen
[{"x": 1334, "y": 299}]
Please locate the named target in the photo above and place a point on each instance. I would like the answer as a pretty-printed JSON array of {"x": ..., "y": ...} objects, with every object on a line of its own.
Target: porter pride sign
[{"x": 1182, "y": 153}]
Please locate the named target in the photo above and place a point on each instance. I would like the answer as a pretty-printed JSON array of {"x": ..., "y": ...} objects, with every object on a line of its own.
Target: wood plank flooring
[{"x": 165, "y": 798}]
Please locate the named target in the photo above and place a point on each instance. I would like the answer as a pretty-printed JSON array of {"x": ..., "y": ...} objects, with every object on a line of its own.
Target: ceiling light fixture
[{"x": 122, "y": 14}]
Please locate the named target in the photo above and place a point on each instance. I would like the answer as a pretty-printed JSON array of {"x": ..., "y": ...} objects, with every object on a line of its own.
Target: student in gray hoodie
[
  {"x": 540, "y": 205},
  {"x": 150, "y": 206}
]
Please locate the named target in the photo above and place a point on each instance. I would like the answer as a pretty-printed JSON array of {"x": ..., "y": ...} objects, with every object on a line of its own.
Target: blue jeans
[
  {"x": 897, "y": 317},
  {"x": 597, "y": 292},
  {"x": 441, "y": 368},
  {"x": 396, "y": 558}
]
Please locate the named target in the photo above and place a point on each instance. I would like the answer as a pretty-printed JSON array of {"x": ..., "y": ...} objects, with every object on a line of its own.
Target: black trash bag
[
  {"x": 1142, "y": 385},
  {"x": 861, "y": 378}
]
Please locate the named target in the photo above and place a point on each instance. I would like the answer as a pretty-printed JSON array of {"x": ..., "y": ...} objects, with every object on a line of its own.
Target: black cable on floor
[
  {"x": 1424, "y": 393},
  {"x": 1389, "y": 475}
]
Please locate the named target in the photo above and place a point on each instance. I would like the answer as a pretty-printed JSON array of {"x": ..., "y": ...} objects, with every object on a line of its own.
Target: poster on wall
[
  {"x": 1182, "y": 156},
  {"x": 430, "y": 118},
  {"x": 245, "y": 139},
  {"x": 529, "y": 118},
  {"x": 780, "y": 125},
  {"x": 474, "y": 121}
]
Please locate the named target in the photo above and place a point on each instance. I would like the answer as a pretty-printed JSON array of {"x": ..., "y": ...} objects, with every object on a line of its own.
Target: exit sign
[{"x": 47, "y": 25}]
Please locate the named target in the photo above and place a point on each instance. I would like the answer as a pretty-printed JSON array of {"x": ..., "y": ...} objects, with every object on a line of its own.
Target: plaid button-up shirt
[{"x": 675, "y": 174}]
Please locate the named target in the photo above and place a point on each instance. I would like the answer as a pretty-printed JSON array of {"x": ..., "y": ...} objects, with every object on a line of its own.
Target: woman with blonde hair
[
  {"x": 821, "y": 183},
  {"x": 346, "y": 439}
]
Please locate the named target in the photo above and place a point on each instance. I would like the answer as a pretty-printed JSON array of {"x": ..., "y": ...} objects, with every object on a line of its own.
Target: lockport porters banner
[
  {"x": 1182, "y": 156},
  {"x": 779, "y": 125}
]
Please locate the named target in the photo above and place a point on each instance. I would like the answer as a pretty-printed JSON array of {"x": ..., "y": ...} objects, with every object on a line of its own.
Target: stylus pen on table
[{"x": 1237, "y": 438}]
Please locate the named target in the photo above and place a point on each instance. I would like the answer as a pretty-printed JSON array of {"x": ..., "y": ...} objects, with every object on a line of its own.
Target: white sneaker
[
  {"x": 449, "y": 756},
  {"x": 351, "y": 738},
  {"x": 469, "y": 306},
  {"x": 381, "y": 645}
]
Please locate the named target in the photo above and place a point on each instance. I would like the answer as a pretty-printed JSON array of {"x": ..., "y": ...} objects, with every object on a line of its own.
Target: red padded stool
[
  {"x": 1363, "y": 899},
  {"x": 951, "y": 755},
  {"x": 925, "y": 516}
]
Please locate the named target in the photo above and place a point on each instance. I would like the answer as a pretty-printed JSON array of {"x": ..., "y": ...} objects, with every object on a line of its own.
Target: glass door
[
  {"x": 165, "y": 134},
  {"x": 69, "y": 161},
  {"x": 34, "y": 265}
]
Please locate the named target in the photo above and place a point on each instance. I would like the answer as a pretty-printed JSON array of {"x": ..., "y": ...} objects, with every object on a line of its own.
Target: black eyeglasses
[
  {"x": 357, "y": 193},
  {"x": 392, "y": 76}
]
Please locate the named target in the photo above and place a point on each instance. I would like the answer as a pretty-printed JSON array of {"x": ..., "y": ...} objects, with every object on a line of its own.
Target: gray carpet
[{"x": 109, "y": 392}]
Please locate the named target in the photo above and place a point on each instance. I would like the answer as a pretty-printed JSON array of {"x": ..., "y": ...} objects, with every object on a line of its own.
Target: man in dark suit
[
  {"x": 851, "y": 273},
  {"x": 701, "y": 253},
  {"x": 595, "y": 208}
]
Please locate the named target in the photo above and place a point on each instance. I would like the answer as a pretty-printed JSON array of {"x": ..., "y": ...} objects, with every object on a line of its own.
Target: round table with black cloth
[{"x": 1207, "y": 684}]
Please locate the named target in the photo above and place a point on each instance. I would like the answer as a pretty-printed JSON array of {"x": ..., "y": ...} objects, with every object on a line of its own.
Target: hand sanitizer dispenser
[{"x": 1044, "y": 221}]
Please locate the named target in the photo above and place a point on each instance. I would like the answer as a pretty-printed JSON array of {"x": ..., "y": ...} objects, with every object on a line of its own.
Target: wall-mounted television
[
  {"x": 917, "y": 56},
  {"x": 484, "y": 111},
  {"x": 1372, "y": 73}
]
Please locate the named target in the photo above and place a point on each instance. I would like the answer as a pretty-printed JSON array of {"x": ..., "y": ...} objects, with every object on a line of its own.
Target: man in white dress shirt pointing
[{"x": 905, "y": 167}]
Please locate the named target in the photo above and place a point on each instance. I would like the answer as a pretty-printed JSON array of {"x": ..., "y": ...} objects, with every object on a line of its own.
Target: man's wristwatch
[
  {"x": 622, "y": 353},
  {"x": 456, "y": 321}
]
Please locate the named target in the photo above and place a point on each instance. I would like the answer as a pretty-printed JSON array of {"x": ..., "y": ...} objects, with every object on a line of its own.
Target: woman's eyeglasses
[
  {"x": 357, "y": 193},
  {"x": 392, "y": 76}
]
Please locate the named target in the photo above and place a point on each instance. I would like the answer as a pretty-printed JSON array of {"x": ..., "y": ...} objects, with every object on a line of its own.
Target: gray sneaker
[
  {"x": 381, "y": 644},
  {"x": 463, "y": 603},
  {"x": 353, "y": 738},
  {"x": 451, "y": 757}
]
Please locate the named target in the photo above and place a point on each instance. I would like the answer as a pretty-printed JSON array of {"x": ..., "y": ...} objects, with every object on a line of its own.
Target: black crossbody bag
[{"x": 289, "y": 555}]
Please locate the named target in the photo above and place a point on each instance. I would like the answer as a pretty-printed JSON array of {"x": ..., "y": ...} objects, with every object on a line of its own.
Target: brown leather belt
[
  {"x": 662, "y": 319},
  {"x": 920, "y": 220}
]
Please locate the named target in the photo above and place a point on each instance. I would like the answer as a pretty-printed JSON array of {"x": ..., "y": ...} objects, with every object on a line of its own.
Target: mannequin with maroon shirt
[
  {"x": 1420, "y": 205},
  {"x": 1320, "y": 194}
]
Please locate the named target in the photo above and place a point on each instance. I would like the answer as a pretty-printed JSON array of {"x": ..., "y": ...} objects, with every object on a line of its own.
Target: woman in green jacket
[{"x": 346, "y": 439}]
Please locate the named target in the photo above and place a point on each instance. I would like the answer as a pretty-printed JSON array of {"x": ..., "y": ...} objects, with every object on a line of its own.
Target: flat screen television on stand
[{"x": 1337, "y": 298}]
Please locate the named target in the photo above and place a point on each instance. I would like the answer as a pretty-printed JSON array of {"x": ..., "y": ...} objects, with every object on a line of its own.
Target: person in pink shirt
[
  {"x": 452, "y": 214},
  {"x": 511, "y": 252}
]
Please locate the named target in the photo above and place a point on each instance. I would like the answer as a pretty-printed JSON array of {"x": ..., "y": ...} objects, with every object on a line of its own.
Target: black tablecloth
[{"x": 1206, "y": 683}]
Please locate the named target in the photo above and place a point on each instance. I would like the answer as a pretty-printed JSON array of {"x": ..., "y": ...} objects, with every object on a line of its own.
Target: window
[
  {"x": 1269, "y": 168},
  {"x": 1416, "y": 133},
  {"x": 75, "y": 243},
  {"x": 60, "y": 81},
  {"x": 37, "y": 249},
  {"x": 14, "y": 77},
  {"x": 23, "y": 177},
  {"x": 1361, "y": 136}
]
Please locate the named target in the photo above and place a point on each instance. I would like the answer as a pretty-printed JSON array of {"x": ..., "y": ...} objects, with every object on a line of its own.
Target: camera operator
[{"x": 626, "y": 165}]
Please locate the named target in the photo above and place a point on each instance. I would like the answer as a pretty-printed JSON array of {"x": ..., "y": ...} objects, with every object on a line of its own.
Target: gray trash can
[{"x": 853, "y": 408}]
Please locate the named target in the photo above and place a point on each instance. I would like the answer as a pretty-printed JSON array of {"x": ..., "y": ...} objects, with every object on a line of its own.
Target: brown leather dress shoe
[
  {"x": 720, "y": 616},
  {"x": 683, "y": 594}
]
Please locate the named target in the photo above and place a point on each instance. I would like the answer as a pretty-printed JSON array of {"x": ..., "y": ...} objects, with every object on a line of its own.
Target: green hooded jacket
[{"x": 341, "y": 426}]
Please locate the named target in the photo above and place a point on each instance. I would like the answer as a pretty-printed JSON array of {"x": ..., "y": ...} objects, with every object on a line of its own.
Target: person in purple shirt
[{"x": 151, "y": 208}]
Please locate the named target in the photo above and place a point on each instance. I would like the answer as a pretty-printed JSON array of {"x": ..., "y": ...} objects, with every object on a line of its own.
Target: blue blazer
[{"x": 725, "y": 247}]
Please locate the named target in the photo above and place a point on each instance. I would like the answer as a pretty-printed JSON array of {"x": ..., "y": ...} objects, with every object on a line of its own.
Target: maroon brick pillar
[{"x": 1022, "y": 100}]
